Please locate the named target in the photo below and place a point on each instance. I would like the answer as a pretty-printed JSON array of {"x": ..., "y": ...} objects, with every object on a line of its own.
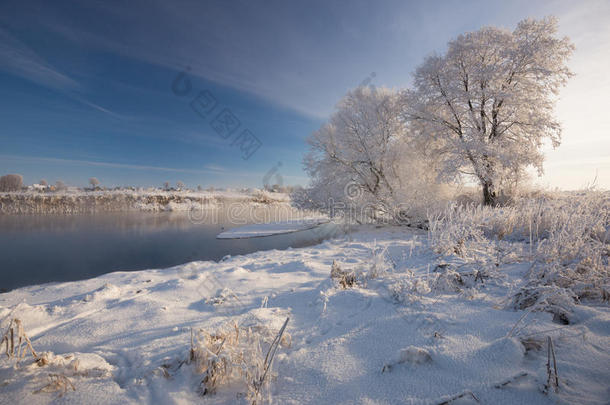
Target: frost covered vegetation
[
  {"x": 567, "y": 238},
  {"x": 479, "y": 112},
  {"x": 489, "y": 305},
  {"x": 484, "y": 301},
  {"x": 124, "y": 200},
  {"x": 11, "y": 182}
]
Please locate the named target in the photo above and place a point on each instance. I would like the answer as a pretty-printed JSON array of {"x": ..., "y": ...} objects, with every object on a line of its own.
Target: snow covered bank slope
[{"x": 412, "y": 327}]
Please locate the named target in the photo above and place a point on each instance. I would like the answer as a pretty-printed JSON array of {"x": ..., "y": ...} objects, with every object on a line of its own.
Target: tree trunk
[{"x": 489, "y": 195}]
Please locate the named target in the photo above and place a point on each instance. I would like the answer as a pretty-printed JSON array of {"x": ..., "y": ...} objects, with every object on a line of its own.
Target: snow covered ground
[{"x": 412, "y": 326}]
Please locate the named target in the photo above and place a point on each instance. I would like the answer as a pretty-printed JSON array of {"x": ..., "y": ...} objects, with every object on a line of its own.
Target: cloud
[
  {"x": 302, "y": 56},
  {"x": 207, "y": 169},
  {"x": 237, "y": 46},
  {"x": 215, "y": 168},
  {"x": 36, "y": 159},
  {"x": 97, "y": 107},
  {"x": 20, "y": 60},
  {"x": 299, "y": 56}
]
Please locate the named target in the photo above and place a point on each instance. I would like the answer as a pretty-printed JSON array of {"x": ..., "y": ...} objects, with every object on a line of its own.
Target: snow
[
  {"x": 395, "y": 337},
  {"x": 272, "y": 228}
]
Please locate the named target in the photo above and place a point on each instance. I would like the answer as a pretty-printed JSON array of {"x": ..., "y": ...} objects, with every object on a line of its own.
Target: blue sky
[{"x": 87, "y": 85}]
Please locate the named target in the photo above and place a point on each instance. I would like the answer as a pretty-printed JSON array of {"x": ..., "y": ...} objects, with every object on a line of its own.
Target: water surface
[{"x": 49, "y": 248}]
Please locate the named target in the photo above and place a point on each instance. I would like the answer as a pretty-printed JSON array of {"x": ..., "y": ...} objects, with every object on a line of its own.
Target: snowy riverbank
[
  {"x": 82, "y": 202},
  {"x": 415, "y": 327}
]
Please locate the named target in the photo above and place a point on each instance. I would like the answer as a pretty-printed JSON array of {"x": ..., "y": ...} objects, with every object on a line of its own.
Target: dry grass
[
  {"x": 565, "y": 236},
  {"x": 511, "y": 380},
  {"x": 57, "y": 383},
  {"x": 14, "y": 332},
  {"x": 205, "y": 354},
  {"x": 551, "y": 367},
  {"x": 531, "y": 344},
  {"x": 459, "y": 396},
  {"x": 59, "y": 369},
  {"x": 375, "y": 266},
  {"x": 233, "y": 357},
  {"x": 344, "y": 278}
]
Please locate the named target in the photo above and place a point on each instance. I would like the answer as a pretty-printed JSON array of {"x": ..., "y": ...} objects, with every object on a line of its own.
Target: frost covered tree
[
  {"x": 60, "y": 185},
  {"x": 94, "y": 182},
  {"x": 11, "y": 182},
  {"x": 489, "y": 101},
  {"x": 179, "y": 185},
  {"x": 363, "y": 157}
]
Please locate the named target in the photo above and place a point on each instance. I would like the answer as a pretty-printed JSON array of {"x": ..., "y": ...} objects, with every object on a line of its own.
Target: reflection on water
[{"x": 40, "y": 249}]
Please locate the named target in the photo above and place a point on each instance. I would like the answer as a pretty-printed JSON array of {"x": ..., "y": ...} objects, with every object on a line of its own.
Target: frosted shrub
[
  {"x": 262, "y": 196},
  {"x": 447, "y": 280},
  {"x": 57, "y": 383},
  {"x": 564, "y": 222},
  {"x": 548, "y": 298},
  {"x": 344, "y": 278},
  {"x": 458, "y": 230},
  {"x": 568, "y": 239},
  {"x": 16, "y": 342},
  {"x": 574, "y": 252},
  {"x": 535, "y": 219},
  {"x": 378, "y": 263},
  {"x": 408, "y": 289},
  {"x": 217, "y": 355},
  {"x": 234, "y": 356},
  {"x": 576, "y": 230}
]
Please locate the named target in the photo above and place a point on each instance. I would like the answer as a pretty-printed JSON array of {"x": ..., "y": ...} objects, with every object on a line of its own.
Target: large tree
[
  {"x": 363, "y": 158},
  {"x": 489, "y": 101}
]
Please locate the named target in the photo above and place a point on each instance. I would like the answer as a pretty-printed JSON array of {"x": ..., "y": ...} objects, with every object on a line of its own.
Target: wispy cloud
[
  {"x": 301, "y": 56},
  {"x": 97, "y": 107},
  {"x": 18, "y": 59},
  {"x": 36, "y": 159},
  {"x": 215, "y": 168},
  {"x": 293, "y": 70},
  {"x": 218, "y": 172},
  {"x": 209, "y": 169}
]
